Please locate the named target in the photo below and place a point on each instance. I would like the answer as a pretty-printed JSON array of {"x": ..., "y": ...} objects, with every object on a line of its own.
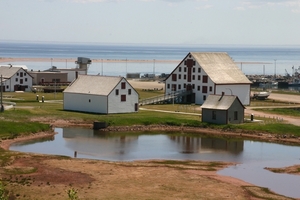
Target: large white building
[
  {"x": 202, "y": 74},
  {"x": 15, "y": 78},
  {"x": 101, "y": 94}
]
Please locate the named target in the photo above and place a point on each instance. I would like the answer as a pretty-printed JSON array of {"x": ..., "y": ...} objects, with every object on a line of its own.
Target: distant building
[
  {"x": 223, "y": 109},
  {"x": 81, "y": 68},
  {"x": 49, "y": 78},
  {"x": 100, "y": 94},
  {"x": 133, "y": 75},
  {"x": 15, "y": 78},
  {"x": 202, "y": 74}
]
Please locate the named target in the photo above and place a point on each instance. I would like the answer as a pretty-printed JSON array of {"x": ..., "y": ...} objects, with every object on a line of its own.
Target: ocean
[{"x": 260, "y": 60}]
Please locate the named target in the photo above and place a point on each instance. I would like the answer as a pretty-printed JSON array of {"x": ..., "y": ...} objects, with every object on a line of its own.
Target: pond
[{"x": 252, "y": 156}]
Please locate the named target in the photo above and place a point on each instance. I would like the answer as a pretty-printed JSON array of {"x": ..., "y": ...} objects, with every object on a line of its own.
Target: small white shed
[{"x": 101, "y": 94}]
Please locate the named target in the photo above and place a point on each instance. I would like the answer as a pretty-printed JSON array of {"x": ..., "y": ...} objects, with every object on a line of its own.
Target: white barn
[
  {"x": 15, "y": 78},
  {"x": 204, "y": 73},
  {"x": 101, "y": 94}
]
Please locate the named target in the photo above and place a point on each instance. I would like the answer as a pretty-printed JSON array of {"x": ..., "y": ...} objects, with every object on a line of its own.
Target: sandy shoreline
[
  {"x": 5, "y": 60},
  {"x": 8, "y": 60}
]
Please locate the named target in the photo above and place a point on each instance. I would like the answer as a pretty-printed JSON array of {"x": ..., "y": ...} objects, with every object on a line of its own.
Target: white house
[
  {"x": 101, "y": 94},
  {"x": 204, "y": 73},
  {"x": 15, "y": 78}
]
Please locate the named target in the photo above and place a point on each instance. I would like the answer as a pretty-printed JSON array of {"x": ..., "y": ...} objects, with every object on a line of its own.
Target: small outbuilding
[
  {"x": 223, "y": 109},
  {"x": 101, "y": 94}
]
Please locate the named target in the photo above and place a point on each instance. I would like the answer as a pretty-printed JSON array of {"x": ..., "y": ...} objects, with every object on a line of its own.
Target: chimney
[{"x": 221, "y": 96}]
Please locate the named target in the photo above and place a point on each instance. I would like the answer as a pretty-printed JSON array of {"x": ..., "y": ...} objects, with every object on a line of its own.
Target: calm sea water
[{"x": 286, "y": 56}]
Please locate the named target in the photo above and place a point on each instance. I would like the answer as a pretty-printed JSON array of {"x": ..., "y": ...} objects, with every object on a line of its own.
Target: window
[
  {"x": 235, "y": 115},
  {"x": 123, "y": 85},
  {"x": 129, "y": 91},
  {"x": 184, "y": 86},
  {"x": 210, "y": 88},
  {"x": 168, "y": 86},
  {"x": 24, "y": 74},
  {"x": 205, "y": 79},
  {"x": 7, "y": 87},
  {"x": 193, "y": 77},
  {"x": 55, "y": 80},
  {"x": 179, "y": 69},
  {"x": 198, "y": 87},
  {"x": 199, "y": 70},
  {"x": 184, "y": 77},
  {"x": 214, "y": 114},
  {"x": 123, "y": 97},
  {"x": 21, "y": 81},
  {"x": 16, "y": 79},
  {"x": 194, "y": 70},
  {"x": 25, "y": 79},
  {"x": 89, "y": 100},
  {"x": 193, "y": 86},
  {"x": 179, "y": 76},
  {"x": 174, "y": 87},
  {"x": 204, "y": 89},
  {"x": 185, "y": 69},
  {"x": 117, "y": 91},
  {"x": 199, "y": 77},
  {"x": 179, "y": 87},
  {"x": 174, "y": 77},
  {"x": 17, "y": 74},
  {"x": 204, "y": 97},
  {"x": 21, "y": 74}
]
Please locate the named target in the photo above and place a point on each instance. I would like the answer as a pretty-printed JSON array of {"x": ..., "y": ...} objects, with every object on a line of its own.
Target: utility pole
[
  {"x": 275, "y": 69},
  {"x": 154, "y": 68},
  {"x": 102, "y": 67},
  {"x": 126, "y": 69},
  {"x": 1, "y": 103}
]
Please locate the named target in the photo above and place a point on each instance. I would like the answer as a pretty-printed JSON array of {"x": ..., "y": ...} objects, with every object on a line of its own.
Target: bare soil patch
[
  {"x": 288, "y": 170},
  {"x": 33, "y": 176}
]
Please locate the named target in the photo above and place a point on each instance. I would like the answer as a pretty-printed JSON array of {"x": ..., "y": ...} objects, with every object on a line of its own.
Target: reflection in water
[
  {"x": 202, "y": 145},
  {"x": 252, "y": 156}
]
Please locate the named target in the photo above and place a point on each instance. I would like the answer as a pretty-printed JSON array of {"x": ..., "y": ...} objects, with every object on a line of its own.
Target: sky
[{"x": 175, "y": 22}]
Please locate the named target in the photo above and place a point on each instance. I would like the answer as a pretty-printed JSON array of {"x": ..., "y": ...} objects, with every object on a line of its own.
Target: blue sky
[{"x": 183, "y": 22}]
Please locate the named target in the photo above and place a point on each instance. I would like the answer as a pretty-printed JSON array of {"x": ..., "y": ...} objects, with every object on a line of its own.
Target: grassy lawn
[
  {"x": 19, "y": 120},
  {"x": 283, "y": 111}
]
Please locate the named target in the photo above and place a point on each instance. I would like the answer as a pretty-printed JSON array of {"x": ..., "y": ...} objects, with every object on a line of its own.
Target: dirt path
[{"x": 293, "y": 99}]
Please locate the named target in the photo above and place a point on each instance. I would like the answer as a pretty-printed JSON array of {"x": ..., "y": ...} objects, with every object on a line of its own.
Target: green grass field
[{"x": 19, "y": 120}]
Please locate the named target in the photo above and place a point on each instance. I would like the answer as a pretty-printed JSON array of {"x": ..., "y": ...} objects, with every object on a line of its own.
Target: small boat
[{"x": 261, "y": 95}]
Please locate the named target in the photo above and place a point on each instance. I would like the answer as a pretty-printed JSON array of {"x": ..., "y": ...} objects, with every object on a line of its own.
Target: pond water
[{"x": 252, "y": 156}]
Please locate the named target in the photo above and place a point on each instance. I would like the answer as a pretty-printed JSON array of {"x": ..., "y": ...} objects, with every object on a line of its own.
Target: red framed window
[
  {"x": 204, "y": 89},
  {"x": 174, "y": 77},
  {"x": 123, "y": 97},
  {"x": 123, "y": 85},
  {"x": 205, "y": 79}
]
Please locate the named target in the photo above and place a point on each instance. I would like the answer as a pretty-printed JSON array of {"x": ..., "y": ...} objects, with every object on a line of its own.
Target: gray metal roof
[
  {"x": 93, "y": 84},
  {"x": 220, "y": 68},
  {"x": 219, "y": 102},
  {"x": 8, "y": 72}
]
